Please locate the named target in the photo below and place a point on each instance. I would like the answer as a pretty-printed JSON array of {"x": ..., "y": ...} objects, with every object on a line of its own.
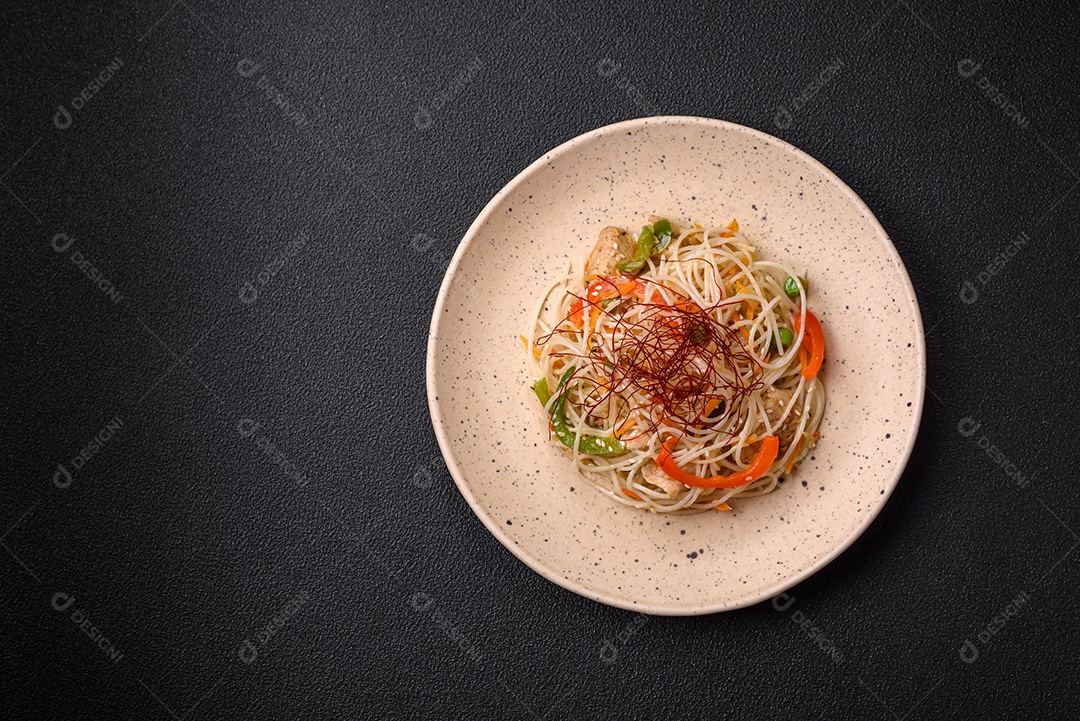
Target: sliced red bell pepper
[
  {"x": 606, "y": 289},
  {"x": 814, "y": 343},
  {"x": 770, "y": 447}
]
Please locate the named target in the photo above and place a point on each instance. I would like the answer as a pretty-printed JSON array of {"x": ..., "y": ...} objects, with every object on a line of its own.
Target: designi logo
[
  {"x": 61, "y": 477},
  {"x": 247, "y": 67},
  {"x": 968, "y": 67},
  {"x": 62, "y": 119},
  {"x": 248, "y": 653},
  {"x": 62, "y": 601},
  {"x": 783, "y": 118},
  {"x": 968, "y": 427}
]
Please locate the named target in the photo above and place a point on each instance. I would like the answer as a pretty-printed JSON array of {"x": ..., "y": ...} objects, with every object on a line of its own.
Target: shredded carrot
[
  {"x": 687, "y": 305},
  {"x": 536, "y": 351},
  {"x": 633, "y": 495},
  {"x": 627, "y": 425},
  {"x": 749, "y": 304},
  {"x": 737, "y": 317},
  {"x": 722, "y": 507},
  {"x": 816, "y": 435},
  {"x": 711, "y": 406},
  {"x": 794, "y": 455},
  {"x": 732, "y": 229}
]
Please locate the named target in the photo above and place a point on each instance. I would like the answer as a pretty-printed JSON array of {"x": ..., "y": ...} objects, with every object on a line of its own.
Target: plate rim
[{"x": 560, "y": 579}]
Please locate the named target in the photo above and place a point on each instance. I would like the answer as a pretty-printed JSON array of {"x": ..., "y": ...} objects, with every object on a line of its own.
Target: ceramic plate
[{"x": 526, "y": 491}]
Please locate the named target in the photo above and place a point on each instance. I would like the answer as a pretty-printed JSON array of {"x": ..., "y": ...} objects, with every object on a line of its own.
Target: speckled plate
[{"x": 527, "y": 492}]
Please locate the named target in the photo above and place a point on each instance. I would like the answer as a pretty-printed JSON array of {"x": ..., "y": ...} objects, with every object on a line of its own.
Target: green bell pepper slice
[
  {"x": 663, "y": 231},
  {"x": 590, "y": 445},
  {"x": 645, "y": 244}
]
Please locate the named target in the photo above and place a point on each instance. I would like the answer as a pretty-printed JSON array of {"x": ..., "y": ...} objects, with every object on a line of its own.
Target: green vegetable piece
[
  {"x": 542, "y": 392},
  {"x": 699, "y": 334},
  {"x": 791, "y": 286},
  {"x": 591, "y": 445},
  {"x": 786, "y": 339},
  {"x": 662, "y": 231},
  {"x": 645, "y": 244}
]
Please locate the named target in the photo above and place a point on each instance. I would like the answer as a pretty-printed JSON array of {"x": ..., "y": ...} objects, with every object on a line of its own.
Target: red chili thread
[{"x": 673, "y": 356}]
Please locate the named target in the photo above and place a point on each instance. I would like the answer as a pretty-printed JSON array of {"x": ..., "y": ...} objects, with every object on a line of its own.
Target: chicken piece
[
  {"x": 614, "y": 246},
  {"x": 776, "y": 403},
  {"x": 655, "y": 475}
]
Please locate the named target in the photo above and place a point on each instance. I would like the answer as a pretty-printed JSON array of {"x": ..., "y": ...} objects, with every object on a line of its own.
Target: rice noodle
[{"x": 710, "y": 274}]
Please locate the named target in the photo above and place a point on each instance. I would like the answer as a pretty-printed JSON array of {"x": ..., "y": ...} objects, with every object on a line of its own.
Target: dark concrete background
[{"x": 259, "y": 192}]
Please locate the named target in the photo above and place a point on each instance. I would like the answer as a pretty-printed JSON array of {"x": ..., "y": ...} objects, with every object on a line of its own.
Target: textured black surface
[{"x": 184, "y": 178}]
